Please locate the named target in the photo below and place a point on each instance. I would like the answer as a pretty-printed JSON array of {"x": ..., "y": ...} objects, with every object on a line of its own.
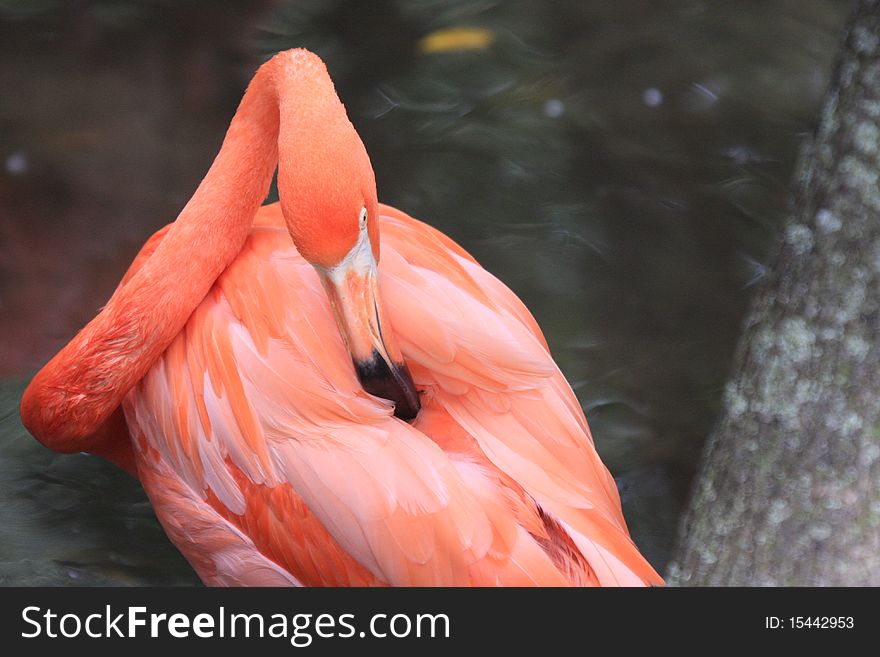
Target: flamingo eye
[{"x": 363, "y": 218}]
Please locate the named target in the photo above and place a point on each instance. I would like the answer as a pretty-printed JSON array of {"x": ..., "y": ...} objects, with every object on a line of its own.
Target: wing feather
[{"x": 511, "y": 398}]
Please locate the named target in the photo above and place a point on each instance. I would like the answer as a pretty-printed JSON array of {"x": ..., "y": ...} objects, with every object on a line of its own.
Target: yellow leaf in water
[{"x": 454, "y": 39}]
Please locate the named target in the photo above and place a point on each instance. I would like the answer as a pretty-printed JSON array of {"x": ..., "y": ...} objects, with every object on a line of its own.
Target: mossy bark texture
[{"x": 789, "y": 488}]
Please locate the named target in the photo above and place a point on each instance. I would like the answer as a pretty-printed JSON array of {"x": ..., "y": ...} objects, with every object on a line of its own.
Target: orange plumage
[{"x": 230, "y": 345}]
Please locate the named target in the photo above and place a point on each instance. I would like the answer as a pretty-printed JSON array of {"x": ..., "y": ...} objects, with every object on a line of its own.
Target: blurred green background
[{"x": 621, "y": 165}]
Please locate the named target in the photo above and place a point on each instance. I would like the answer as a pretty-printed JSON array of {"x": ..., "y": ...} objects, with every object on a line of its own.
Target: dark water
[{"x": 622, "y": 166}]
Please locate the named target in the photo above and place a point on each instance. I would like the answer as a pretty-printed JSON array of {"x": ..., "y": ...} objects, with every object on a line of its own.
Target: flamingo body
[{"x": 253, "y": 429}]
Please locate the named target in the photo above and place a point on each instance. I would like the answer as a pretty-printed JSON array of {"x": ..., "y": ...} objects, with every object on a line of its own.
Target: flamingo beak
[{"x": 352, "y": 289}]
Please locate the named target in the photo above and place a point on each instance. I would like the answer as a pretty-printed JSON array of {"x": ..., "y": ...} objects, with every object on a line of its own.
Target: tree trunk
[{"x": 789, "y": 488}]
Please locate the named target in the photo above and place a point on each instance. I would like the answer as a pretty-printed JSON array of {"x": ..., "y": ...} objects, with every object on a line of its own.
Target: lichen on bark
[{"x": 789, "y": 489}]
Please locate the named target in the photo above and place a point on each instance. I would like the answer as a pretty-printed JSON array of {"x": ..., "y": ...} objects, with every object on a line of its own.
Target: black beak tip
[{"x": 393, "y": 383}]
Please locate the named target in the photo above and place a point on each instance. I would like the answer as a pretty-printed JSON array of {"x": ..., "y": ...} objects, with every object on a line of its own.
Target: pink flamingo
[{"x": 292, "y": 425}]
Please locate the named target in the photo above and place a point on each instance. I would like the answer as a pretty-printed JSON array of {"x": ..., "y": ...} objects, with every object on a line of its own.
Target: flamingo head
[{"x": 329, "y": 201}]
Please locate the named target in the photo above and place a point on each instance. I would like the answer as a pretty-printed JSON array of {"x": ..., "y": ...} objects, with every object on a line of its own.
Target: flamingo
[{"x": 293, "y": 426}]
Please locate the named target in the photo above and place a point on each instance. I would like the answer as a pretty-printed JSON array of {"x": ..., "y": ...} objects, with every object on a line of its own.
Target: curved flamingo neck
[{"x": 79, "y": 389}]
